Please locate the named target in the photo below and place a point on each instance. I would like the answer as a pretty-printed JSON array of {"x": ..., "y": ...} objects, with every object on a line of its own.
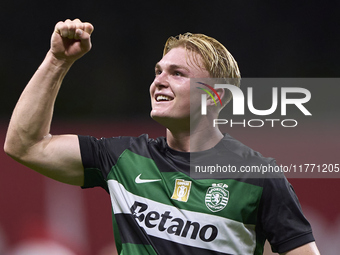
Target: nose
[{"x": 161, "y": 80}]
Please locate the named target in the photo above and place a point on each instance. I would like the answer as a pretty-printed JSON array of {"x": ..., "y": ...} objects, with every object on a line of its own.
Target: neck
[{"x": 198, "y": 138}]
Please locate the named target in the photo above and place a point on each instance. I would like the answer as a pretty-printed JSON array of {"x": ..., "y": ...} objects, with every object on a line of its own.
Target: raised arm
[{"x": 28, "y": 138}]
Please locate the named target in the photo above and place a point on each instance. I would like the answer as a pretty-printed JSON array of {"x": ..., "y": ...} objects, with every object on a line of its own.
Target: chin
[
  {"x": 158, "y": 117},
  {"x": 159, "y": 113}
]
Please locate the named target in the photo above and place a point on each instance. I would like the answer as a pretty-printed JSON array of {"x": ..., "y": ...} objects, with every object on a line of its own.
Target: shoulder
[{"x": 242, "y": 152}]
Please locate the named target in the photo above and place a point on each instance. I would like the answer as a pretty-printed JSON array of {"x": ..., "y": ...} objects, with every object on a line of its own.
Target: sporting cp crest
[{"x": 217, "y": 197}]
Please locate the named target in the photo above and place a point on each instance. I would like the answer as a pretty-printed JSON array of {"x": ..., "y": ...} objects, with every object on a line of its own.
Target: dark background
[
  {"x": 106, "y": 94},
  {"x": 267, "y": 38}
]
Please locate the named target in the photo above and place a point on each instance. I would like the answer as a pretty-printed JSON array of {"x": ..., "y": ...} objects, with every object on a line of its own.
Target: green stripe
[
  {"x": 243, "y": 201},
  {"x": 137, "y": 249}
]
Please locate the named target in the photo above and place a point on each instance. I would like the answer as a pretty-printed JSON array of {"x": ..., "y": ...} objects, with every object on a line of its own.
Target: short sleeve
[
  {"x": 281, "y": 216},
  {"x": 98, "y": 157}
]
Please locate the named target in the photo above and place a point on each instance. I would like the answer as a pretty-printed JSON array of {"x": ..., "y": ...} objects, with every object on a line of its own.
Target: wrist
[{"x": 54, "y": 64}]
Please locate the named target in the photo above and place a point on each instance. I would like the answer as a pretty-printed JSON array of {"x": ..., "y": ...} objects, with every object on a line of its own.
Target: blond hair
[{"x": 216, "y": 59}]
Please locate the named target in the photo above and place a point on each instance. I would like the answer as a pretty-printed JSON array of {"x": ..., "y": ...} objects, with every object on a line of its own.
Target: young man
[{"x": 158, "y": 208}]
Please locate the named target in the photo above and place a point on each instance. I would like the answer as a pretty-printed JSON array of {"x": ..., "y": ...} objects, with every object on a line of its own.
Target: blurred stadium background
[{"x": 106, "y": 94}]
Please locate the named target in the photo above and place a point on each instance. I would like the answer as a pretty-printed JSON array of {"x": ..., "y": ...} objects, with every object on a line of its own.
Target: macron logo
[{"x": 139, "y": 180}]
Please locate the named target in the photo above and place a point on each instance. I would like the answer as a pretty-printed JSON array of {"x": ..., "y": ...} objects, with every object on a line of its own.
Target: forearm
[{"x": 32, "y": 116}]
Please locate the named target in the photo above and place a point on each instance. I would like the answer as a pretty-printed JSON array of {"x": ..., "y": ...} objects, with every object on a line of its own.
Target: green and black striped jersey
[{"x": 158, "y": 208}]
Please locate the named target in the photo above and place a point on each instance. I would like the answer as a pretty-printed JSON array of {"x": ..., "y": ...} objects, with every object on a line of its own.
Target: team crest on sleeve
[
  {"x": 182, "y": 190},
  {"x": 217, "y": 197}
]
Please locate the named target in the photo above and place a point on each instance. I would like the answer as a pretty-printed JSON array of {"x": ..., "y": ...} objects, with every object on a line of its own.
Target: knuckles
[{"x": 67, "y": 28}]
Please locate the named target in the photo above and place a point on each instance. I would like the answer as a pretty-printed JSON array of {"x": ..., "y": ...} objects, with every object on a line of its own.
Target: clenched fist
[{"x": 71, "y": 39}]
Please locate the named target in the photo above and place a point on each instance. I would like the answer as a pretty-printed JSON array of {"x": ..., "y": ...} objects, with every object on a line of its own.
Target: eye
[
  {"x": 157, "y": 72},
  {"x": 178, "y": 73}
]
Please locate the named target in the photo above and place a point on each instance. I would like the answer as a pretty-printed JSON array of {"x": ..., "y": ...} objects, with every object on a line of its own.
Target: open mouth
[{"x": 161, "y": 98}]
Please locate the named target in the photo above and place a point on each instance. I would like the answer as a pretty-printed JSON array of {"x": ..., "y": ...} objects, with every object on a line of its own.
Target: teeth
[{"x": 163, "y": 98}]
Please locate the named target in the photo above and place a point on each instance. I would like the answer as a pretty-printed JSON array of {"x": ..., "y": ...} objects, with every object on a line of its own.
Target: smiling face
[{"x": 170, "y": 90}]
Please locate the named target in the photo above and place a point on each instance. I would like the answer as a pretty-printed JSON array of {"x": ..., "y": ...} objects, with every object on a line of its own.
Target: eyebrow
[{"x": 172, "y": 67}]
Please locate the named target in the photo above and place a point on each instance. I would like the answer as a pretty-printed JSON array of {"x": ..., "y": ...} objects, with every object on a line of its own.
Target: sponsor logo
[
  {"x": 181, "y": 190},
  {"x": 217, "y": 197},
  {"x": 174, "y": 226},
  {"x": 139, "y": 180}
]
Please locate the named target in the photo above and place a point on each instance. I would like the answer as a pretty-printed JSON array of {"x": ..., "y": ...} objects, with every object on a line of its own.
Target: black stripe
[
  {"x": 132, "y": 233},
  {"x": 169, "y": 247}
]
